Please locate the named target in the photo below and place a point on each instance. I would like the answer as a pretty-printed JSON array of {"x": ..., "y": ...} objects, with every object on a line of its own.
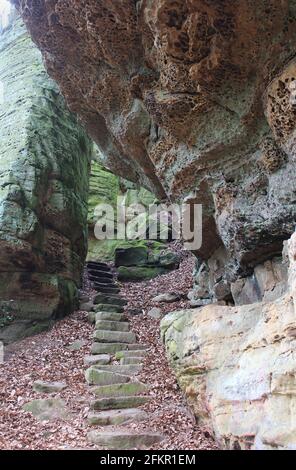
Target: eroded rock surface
[
  {"x": 44, "y": 165},
  {"x": 236, "y": 366},
  {"x": 191, "y": 99}
]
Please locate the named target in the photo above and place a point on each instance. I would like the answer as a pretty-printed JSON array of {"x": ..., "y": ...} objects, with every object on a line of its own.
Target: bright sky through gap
[{"x": 4, "y": 11}]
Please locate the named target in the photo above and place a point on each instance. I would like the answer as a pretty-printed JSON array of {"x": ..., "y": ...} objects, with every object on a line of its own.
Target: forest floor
[{"x": 47, "y": 357}]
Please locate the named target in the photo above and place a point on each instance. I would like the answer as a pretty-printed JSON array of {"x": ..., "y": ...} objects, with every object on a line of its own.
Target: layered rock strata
[{"x": 44, "y": 166}]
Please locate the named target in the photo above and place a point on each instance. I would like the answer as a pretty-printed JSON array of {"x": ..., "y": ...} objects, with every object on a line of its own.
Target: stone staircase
[{"x": 115, "y": 360}]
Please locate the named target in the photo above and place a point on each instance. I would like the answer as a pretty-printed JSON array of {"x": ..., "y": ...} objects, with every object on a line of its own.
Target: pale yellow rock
[{"x": 237, "y": 366}]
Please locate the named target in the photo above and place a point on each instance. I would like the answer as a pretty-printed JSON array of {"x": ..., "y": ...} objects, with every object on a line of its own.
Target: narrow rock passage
[{"x": 61, "y": 355}]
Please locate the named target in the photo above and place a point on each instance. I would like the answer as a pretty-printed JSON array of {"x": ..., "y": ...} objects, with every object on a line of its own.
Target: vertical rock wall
[{"x": 44, "y": 166}]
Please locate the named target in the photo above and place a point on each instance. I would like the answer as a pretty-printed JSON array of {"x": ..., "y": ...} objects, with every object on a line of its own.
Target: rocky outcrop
[
  {"x": 236, "y": 366},
  {"x": 190, "y": 99},
  {"x": 44, "y": 165}
]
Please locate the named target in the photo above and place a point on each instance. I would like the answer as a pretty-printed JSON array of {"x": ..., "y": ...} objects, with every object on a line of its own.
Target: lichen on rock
[{"x": 44, "y": 165}]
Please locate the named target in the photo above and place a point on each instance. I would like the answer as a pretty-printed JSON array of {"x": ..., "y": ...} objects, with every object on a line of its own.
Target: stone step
[
  {"x": 112, "y": 325},
  {"x": 119, "y": 390},
  {"x": 115, "y": 403},
  {"x": 128, "y": 369},
  {"x": 95, "y": 376},
  {"x": 116, "y": 417},
  {"x": 98, "y": 273},
  {"x": 118, "y": 440},
  {"x": 102, "y": 280},
  {"x": 130, "y": 353},
  {"x": 98, "y": 269},
  {"x": 109, "y": 299},
  {"x": 111, "y": 348},
  {"x": 97, "y": 264},
  {"x": 98, "y": 359},
  {"x": 110, "y": 316},
  {"x": 105, "y": 336},
  {"x": 112, "y": 290},
  {"x": 108, "y": 308},
  {"x": 131, "y": 360}
]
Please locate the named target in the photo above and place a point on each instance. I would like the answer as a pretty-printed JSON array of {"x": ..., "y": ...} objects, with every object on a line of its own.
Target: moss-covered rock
[{"x": 44, "y": 167}]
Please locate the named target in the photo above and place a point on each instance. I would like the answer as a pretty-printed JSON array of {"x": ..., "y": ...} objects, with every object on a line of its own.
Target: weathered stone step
[
  {"x": 110, "y": 316},
  {"x": 105, "y": 336},
  {"x": 130, "y": 353},
  {"x": 109, "y": 299},
  {"x": 128, "y": 369},
  {"x": 118, "y": 440},
  {"x": 98, "y": 270},
  {"x": 100, "y": 273},
  {"x": 95, "y": 376},
  {"x": 112, "y": 348},
  {"x": 108, "y": 308},
  {"x": 98, "y": 359},
  {"x": 115, "y": 403},
  {"x": 112, "y": 325},
  {"x": 116, "y": 417},
  {"x": 131, "y": 360},
  {"x": 101, "y": 280},
  {"x": 119, "y": 390},
  {"x": 97, "y": 264},
  {"x": 112, "y": 290}
]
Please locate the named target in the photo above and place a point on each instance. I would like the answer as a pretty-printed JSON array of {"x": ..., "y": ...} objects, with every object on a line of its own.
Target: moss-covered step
[
  {"x": 126, "y": 353},
  {"x": 131, "y": 369},
  {"x": 139, "y": 273},
  {"x": 105, "y": 336},
  {"x": 108, "y": 308},
  {"x": 118, "y": 440},
  {"x": 112, "y": 348},
  {"x": 95, "y": 376},
  {"x": 115, "y": 403},
  {"x": 132, "y": 256},
  {"x": 112, "y": 325},
  {"x": 119, "y": 390},
  {"x": 97, "y": 359},
  {"x": 110, "y": 316},
  {"x": 131, "y": 360},
  {"x": 116, "y": 417},
  {"x": 109, "y": 299}
]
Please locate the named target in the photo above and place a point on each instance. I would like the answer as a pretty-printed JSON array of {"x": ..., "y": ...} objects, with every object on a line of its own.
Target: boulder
[
  {"x": 135, "y": 273},
  {"x": 155, "y": 313},
  {"x": 48, "y": 387},
  {"x": 48, "y": 409},
  {"x": 132, "y": 256},
  {"x": 167, "y": 298}
]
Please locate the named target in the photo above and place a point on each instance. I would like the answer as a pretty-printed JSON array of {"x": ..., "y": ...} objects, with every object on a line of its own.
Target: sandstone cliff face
[
  {"x": 44, "y": 164},
  {"x": 236, "y": 366},
  {"x": 191, "y": 99}
]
